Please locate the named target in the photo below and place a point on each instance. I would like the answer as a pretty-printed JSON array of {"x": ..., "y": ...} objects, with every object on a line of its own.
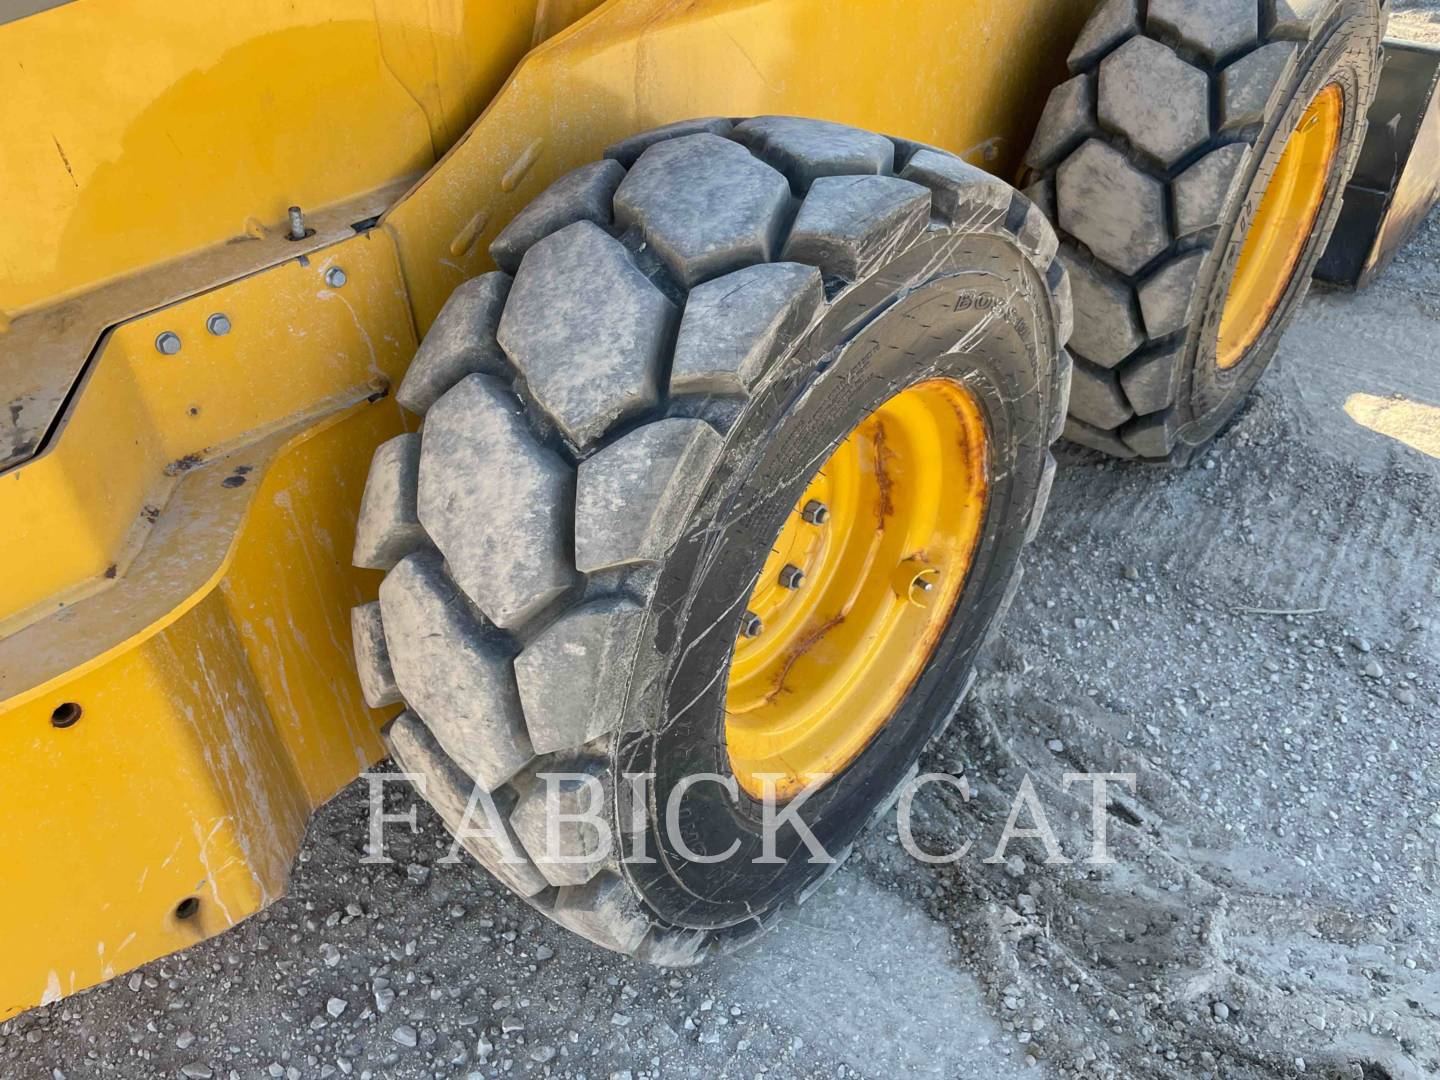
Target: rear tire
[
  {"x": 610, "y": 438},
  {"x": 1152, "y": 161}
]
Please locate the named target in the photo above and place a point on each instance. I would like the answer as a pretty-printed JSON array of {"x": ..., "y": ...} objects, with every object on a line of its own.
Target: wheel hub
[{"x": 857, "y": 589}]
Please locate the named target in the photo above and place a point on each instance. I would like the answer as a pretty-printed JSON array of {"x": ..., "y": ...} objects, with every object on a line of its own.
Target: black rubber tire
[
  {"x": 1151, "y": 161},
  {"x": 608, "y": 439}
]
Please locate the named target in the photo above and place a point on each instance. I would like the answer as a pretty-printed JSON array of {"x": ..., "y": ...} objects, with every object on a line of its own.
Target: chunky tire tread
[
  {"x": 461, "y": 342},
  {"x": 372, "y": 657},
  {"x": 1139, "y": 158},
  {"x": 633, "y": 495},
  {"x": 450, "y": 791},
  {"x": 388, "y": 528},
  {"x": 557, "y": 471}
]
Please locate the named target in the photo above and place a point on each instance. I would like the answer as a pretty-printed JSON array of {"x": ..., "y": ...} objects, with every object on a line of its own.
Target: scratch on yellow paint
[{"x": 1413, "y": 423}]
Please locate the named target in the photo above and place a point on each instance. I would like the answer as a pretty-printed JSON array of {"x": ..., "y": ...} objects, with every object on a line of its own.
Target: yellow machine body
[{"x": 177, "y": 692}]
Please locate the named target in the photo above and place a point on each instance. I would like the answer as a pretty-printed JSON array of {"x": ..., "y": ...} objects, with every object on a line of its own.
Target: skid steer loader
[{"x": 519, "y": 388}]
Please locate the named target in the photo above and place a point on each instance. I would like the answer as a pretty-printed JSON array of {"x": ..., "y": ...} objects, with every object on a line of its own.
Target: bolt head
[
  {"x": 750, "y": 625},
  {"x": 218, "y": 324},
  {"x": 791, "y": 576},
  {"x": 335, "y": 277},
  {"x": 815, "y": 512},
  {"x": 168, "y": 343}
]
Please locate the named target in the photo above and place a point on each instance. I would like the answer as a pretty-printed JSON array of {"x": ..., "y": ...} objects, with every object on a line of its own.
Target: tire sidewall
[
  {"x": 1343, "y": 53},
  {"x": 946, "y": 289}
]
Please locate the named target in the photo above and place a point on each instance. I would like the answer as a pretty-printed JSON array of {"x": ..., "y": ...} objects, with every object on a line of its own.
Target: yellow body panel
[{"x": 176, "y": 556}]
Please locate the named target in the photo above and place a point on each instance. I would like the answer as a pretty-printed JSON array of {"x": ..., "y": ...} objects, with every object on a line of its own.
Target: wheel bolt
[
  {"x": 792, "y": 577},
  {"x": 750, "y": 625},
  {"x": 815, "y": 512}
]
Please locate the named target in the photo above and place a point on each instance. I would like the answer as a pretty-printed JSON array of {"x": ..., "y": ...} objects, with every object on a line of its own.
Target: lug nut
[
  {"x": 815, "y": 512},
  {"x": 792, "y": 577},
  {"x": 168, "y": 343},
  {"x": 335, "y": 277},
  {"x": 218, "y": 324},
  {"x": 750, "y": 625}
]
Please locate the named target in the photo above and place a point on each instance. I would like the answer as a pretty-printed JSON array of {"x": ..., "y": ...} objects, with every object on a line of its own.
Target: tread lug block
[
  {"x": 1068, "y": 119},
  {"x": 548, "y": 818},
  {"x": 672, "y": 948},
  {"x": 584, "y": 194},
  {"x": 1064, "y": 376},
  {"x": 587, "y": 330},
  {"x": 966, "y": 196},
  {"x": 449, "y": 791},
  {"x": 388, "y": 529},
  {"x": 1202, "y": 191},
  {"x": 1096, "y": 397},
  {"x": 1110, "y": 24},
  {"x": 372, "y": 658},
  {"x": 1042, "y": 498},
  {"x": 497, "y": 503},
  {"x": 1057, "y": 279},
  {"x": 1151, "y": 436},
  {"x": 1167, "y": 296},
  {"x": 604, "y": 911},
  {"x": 705, "y": 205},
  {"x": 460, "y": 342},
  {"x": 1213, "y": 28},
  {"x": 732, "y": 326},
  {"x": 1155, "y": 99},
  {"x": 1248, "y": 86},
  {"x": 1294, "y": 19},
  {"x": 1042, "y": 194},
  {"x": 1107, "y": 442},
  {"x": 1107, "y": 327},
  {"x": 1112, "y": 207},
  {"x": 452, "y": 672},
  {"x": 1150, "y": 381},
  {"x": 628, "y": 151},
  {"x": 805, "y": 150},
  {"x": 905, "y": 149},
  {"x": 572, "y": 677},
  {"x": 849, "y": 224},
  {"x": 1033, "y": 232},
  {"x": 632, "y": 498}
]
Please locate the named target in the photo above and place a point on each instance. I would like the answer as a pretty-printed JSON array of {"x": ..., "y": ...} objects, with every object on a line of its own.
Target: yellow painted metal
[
  {"x": 1281, "y": 227},
  {"x": 137, "y": 132},
  {"x": 201, "y": 748},
  {"x": 199, "y": 622},
  {"x": 836, "y": 654}
]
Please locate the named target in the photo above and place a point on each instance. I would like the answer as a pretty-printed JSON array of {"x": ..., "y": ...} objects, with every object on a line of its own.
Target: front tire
[
  {"x": 1155, "y": 160},
  {"x": 617, "y": 426}
]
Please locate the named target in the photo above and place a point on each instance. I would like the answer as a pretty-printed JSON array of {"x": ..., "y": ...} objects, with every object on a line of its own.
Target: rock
[
  {"x": 197, "y": 1070},
  {"x": 1372, "y": 669},
  {"x": 1221, "y": 1011},
  {"x": 335, "y": 1006},
  {"x": 330, "y": 954},
  {"x": 405, "y": 1035}
]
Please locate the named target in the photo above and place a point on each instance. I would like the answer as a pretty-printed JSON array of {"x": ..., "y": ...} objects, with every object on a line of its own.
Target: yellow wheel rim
[
  {"x": 882, "y": 540},
  {"x": 1282, "y": 226}
]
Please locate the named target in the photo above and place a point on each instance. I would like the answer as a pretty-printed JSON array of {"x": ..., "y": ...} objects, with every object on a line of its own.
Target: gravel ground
[{"x": 1274, "y": 907}]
